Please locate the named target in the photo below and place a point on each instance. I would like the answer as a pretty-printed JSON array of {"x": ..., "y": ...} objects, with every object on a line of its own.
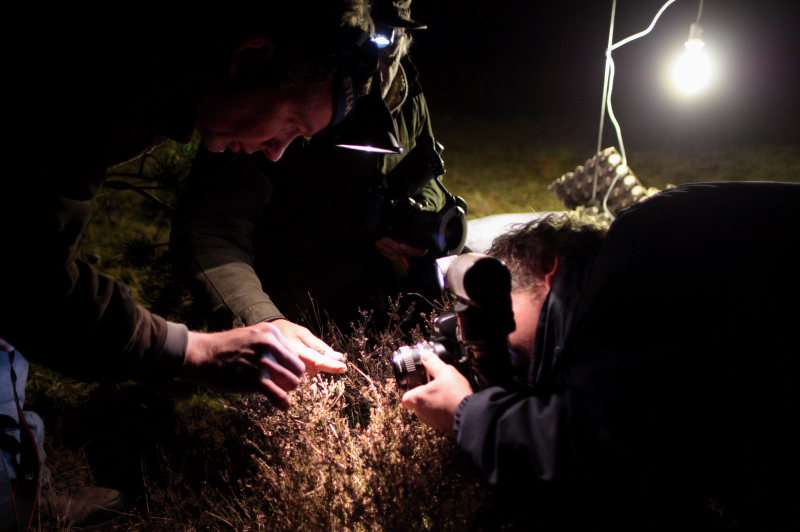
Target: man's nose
[{"x": 275, "y": 147}]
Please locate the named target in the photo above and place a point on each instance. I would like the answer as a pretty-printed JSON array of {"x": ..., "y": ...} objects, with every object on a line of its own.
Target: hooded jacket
[{"x": 663, "y": 376}]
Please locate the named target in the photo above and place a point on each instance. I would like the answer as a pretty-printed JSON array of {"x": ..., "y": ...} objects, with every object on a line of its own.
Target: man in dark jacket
[
  {"x": 252, "y": 77},
  {"x": 661, "y": 368},
  {"x": 290, "y": 241}
]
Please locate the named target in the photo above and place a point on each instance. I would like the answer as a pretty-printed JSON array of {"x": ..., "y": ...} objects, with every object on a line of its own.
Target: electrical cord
[{"x": 608, "y": 85}]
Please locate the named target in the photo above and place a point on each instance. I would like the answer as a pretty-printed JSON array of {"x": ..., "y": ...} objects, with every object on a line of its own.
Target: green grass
[{"x": 507, "y": 166}]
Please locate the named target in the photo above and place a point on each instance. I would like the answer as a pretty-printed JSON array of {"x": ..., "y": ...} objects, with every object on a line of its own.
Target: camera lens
[
  {"x": 452, "y": 229},
  {"x": 407, "y": 365}
]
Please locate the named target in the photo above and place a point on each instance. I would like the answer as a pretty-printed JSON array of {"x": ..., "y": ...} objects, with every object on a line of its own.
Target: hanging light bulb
[{"x": 692, "y": 71}]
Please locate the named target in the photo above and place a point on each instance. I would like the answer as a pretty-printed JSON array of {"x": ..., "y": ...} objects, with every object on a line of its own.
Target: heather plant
[{"x": 349, "y": 457}]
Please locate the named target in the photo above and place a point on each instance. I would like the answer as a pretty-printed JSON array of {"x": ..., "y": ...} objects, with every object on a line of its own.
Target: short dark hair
[
  {"x": 310, "y": 37},
  {"x": 527, "y": 248}
]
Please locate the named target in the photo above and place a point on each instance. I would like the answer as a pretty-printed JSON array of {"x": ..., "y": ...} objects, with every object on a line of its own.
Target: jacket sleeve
[
  {"x": 212, "y": 235},
  {"x": 414, "y": 122},
  {"x": 55, "y": 308},
  {"x": 431, "y": 193},
  {"x": 512, "y": 438}
]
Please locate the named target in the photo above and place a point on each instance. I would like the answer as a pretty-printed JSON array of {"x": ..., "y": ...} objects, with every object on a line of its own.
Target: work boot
[{"x": 84, "y": 507}]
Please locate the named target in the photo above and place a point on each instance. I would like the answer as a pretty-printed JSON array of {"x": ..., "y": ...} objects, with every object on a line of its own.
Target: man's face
[
  {"x": 527, "y": 305},
  {"x": 261, "y": 119},
  {"x": 389, "y": 60}
]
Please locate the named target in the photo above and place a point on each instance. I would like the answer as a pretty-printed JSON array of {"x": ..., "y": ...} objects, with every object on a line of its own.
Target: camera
[
  {"x": 441, "y": 233},
  {"x": 474, "y": 337},
  {"x": 391, "y": 209}
]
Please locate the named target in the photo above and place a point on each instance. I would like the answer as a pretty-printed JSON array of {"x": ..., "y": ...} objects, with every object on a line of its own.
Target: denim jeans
[
  {"x": 8, "y": 404},
  {"x": 12, "y": 399}
]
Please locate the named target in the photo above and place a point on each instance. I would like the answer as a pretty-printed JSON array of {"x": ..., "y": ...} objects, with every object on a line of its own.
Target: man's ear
[
  {"x": 257, "y": 50},
  {"x": 550, "y": 265}
]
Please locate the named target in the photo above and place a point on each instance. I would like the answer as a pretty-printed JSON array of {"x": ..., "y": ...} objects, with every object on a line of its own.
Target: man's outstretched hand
[
  {"x": 315, "y": 354},
  {"x": 248, "y": 359}
]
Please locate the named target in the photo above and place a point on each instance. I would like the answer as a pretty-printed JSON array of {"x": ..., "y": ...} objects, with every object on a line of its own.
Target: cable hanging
[{"x": 608, "y": 85}]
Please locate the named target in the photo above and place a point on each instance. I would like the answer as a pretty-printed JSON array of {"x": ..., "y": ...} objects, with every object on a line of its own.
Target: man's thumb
[{"x": 432, "y": 363}]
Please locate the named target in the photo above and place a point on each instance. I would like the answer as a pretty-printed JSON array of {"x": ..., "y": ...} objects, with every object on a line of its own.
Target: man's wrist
[
  {"x": 173, "y": 353},
  {"x": 263, "y": 311},
  {"x": 457, "y": 417}
]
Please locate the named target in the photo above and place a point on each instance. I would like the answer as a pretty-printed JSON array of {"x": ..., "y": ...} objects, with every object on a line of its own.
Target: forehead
[{"x": 310, "y": 109}]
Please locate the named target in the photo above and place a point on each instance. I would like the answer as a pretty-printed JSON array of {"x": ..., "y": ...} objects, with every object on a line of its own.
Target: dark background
[{"x": 544, "y": 62}]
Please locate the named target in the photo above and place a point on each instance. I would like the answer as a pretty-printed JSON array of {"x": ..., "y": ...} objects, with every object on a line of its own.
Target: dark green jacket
[{"x": 263, "y": 240}]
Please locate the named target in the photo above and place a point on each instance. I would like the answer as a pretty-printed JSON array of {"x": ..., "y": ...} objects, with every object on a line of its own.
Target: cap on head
[{"x": 395, "y": 14}]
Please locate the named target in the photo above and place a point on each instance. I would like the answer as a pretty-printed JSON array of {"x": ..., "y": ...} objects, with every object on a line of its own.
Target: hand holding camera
[
  {"x": 470, "y": 350},
  {"x": 393, "y": 213},
  {"x": 394, "y": 250},
  {"x": 436, "y": 403},
  {"x": 473, "y": 338}
]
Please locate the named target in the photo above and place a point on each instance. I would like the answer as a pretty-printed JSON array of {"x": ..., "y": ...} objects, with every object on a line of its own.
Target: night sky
[{"x": 545, "y": 61}]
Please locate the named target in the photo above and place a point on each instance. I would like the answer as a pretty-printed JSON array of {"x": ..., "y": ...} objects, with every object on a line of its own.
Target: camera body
[
  {"x": 406, "y": 360},
  {"x": 440, "y": 232},
  {"x": 474, "y": 337},
  {"x": 392, "y": 211}
]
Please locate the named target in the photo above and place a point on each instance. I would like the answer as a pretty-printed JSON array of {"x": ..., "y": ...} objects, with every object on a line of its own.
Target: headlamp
[
  {"x": 372, "y": 127},
  {"x": 384, "y": 37}
]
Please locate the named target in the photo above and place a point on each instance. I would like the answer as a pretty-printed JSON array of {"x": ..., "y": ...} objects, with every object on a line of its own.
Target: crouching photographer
[
  {"x": 474, "y": 337},
  {"x": 661, "y": 369},
  {"x": 471, "y": 341},
  {"x": 406, "y": 227}
]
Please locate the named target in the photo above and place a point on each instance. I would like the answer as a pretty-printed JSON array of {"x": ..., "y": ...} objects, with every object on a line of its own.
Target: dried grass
[{"x": 346, "y": 456}]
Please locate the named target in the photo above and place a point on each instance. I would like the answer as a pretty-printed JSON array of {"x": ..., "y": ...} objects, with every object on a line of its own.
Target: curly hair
[{"x": 528, "y": 248}]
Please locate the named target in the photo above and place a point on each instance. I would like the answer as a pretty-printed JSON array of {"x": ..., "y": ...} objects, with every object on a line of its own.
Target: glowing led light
[
  {"x": 692, "y": 71},
  {"x": 381, "y": 41}
]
